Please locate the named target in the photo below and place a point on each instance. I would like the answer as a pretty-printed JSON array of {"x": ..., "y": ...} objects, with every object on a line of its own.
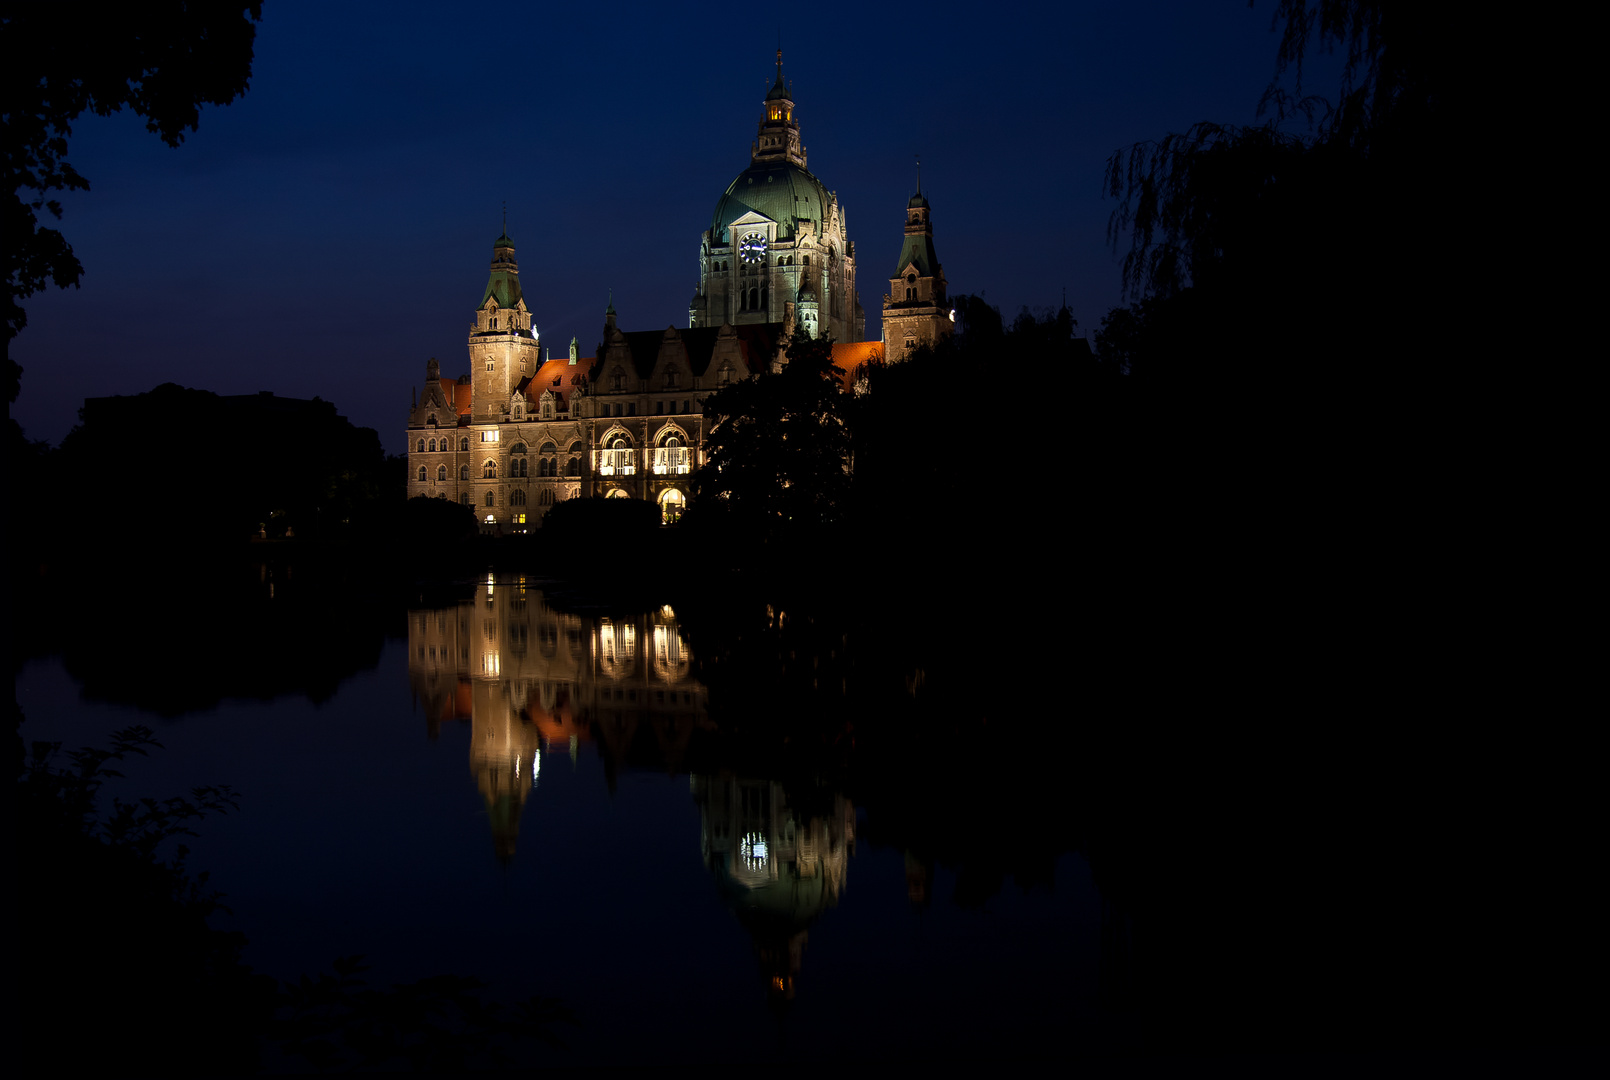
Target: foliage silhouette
[
  {"x": 163, "y": 61},
  {"x": 105, "y": 896},
  {"x": 778, "y": 445},
  {"x": 1330, "y": 242}
]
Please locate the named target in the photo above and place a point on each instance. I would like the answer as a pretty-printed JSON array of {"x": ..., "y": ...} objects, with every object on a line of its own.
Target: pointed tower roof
[
  {"x": 503, "y": 283},
  {"x": 779, "y": 90}
]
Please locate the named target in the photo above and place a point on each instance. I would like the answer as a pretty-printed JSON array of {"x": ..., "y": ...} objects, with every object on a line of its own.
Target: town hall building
[{"x": 520, "y": 433}]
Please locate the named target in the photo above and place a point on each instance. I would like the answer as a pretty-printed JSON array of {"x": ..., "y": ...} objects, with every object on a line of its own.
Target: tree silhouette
[
  {"x": 1329, "y": 232},
  {"x": 163, "y": 60},
  {"x": 778, "y": 445}
]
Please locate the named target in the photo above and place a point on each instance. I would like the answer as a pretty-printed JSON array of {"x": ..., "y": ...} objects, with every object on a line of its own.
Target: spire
[
  {"x": 780, "y": 90},
  {"x": 610, "y": 310},
  {"x": 918, "y": 200},
  {"x": 778, "y": 137}
]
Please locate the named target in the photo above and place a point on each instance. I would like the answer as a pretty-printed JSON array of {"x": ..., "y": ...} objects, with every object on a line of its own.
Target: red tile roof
[{"x": 567, "y": 373}]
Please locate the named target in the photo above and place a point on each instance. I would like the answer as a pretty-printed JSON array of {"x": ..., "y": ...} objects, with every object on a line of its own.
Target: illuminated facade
[
  {"x": 916, "y": 310},
  {"x": 777, "y": 250},
  {"x": 522, "y": 432}
]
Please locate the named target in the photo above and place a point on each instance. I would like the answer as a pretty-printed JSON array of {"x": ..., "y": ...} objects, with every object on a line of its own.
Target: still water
[{"x": 543, "y": 799}]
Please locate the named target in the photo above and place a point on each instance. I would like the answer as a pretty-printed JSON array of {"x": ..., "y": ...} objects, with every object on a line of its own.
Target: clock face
[{"x": 753, "y": 248}]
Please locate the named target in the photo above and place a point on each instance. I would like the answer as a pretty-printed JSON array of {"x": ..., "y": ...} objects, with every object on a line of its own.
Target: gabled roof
[
  {"x": 757, "y": 343},
  {"x": 559, "y": 368}
]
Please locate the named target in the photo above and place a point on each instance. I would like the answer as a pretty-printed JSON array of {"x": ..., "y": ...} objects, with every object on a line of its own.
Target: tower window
[{"x": 489, "y": 363}]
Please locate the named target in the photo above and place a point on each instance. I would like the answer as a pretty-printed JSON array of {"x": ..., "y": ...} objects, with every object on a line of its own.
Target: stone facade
[
  {"x": 520, "y": 433},
  {"x": 916, "y": 310},
  {"x": 778, "y": 249},
  {"x": 517, "y": 434}
]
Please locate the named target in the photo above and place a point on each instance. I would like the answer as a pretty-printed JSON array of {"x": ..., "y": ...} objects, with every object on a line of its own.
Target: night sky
[{"x": 330, "y": 231}]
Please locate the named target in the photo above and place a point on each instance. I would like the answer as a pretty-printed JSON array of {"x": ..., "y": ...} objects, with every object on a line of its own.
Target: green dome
[{"x": 781, "y": 190}]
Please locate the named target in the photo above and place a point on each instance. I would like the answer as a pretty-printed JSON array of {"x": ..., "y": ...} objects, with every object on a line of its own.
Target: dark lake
[
  {"x": 542, "y": 798},
  {"x": 804, "y": 829}
]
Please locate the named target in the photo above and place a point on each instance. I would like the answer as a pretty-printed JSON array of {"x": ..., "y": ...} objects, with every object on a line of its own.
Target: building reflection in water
[
  {"x": 531, "y": 680},
  {"x": 777, "y": 868},
  {"x": 535, "y": 683}
]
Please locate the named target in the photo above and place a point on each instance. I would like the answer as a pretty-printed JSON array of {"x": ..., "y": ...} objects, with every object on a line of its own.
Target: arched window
[
  {"x": 617, "y": 379},
  {"x": 617, "y": 493},
  {"x": 754, "y": 299},
  {"x": 671, "y": 457},
  {"x": 519, "y": 412},
  {"x": 517, "y": 497},
  {"x": 671, "y": 504},
  {"x": 807, "y": 261},
  {"x": 546, "y": 498},
  {"x": 618, "y": 458},
  {"x": 464, "y": 497},
  {"x": 421, "y": 446},
  {"x": 463, "y": 472},
  {"x": 422, "y": 474},
  {"x": 573, "y": 467},
  {"x": 464, "y": 443},
  {"x": 491, "y": 499},
  {"x": 724, "y": 376},
  {"x": 490, "y": 469},
  {"x": 433, "y": 446},
  {"x": 517, "y": 448},
  {"x": 441, "y": 472},
  {"x": 543, "y": 466},
  {"x": 548, "y": 448}
]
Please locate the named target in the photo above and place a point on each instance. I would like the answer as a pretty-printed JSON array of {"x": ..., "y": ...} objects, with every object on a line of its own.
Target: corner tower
[
  {"x": 916, "y": 311},
  {"x": 777, "y": 235},
  {"x": 503, "y": 343}
]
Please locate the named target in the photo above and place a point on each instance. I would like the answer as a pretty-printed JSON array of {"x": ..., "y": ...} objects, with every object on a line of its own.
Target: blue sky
[{"x": 330, "y": 231}]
